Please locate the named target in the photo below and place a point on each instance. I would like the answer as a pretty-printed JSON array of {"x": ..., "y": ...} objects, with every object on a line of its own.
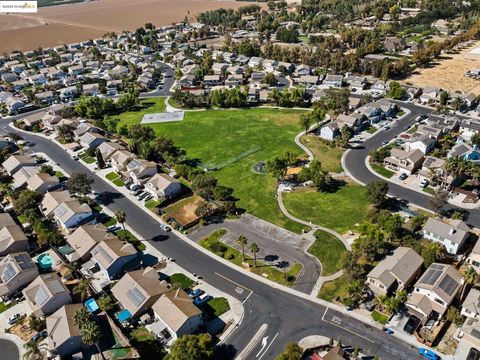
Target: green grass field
[
  {"x": 181, "y": 281},
  {"x": 148, "y": 106},
  {"x": 233, "y": 141},
  {"x": 330, "y": 157},
  {"x": 379, "y": 317},
  {"x": 339, "y": 210},
  {"x": 333, "y": 290},
  {"x": 128, "y": 236},
  {"x": 329, "y": 250},
  {"x": 219, "y": 306},
  {"x": 382, "y": 170}
]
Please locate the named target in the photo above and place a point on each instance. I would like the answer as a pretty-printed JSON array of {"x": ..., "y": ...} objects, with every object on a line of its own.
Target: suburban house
[
  {"x": 436, "y": 166},
  {"x": 111, "y": 256},
  {"x": 163, "y": 185},
  {"x": 434, "y": 292},
  {"x": 52, "y": 199},
  {"x": 471, "y": 304},
  {"x": 141, "y": 170},
  {"x": 91, "y": 140},
  {"x": 395, "y": 44},
  {"x": 64, "y": 337},
  {"x": 465, "y": 151},
  {"x": 452, "y": 235},
  {"x": 176, "y": 313},
  {"x": 474, "y": 258},
  {"x": 16, "y": 162},
  {"x": 12, "y": 237},
  {"x": 333, "y": 81},
  {"x": 120, "y": 158},
  {"x": 138, "y": 290},
  {"x": 21, "y": 176},
  {"x": 469, "y": 331},
  {"x": 46, "y": 294},
  {"x": 468, "y": 128},
  {"x": 84, "y": 239},
  {"x": 396, "y": 272},
  {"x": 419, "y": 141},
  {"x": 17, "y": 270},
  {"x": 329, "y": 131},
  {"x": 42, "y": 182},
  {"x": 354, "y": 121},
  {"x": 108, "y": 148},
  {"x": 71, "y": 213},
  {"x": 408, "y": 161}
]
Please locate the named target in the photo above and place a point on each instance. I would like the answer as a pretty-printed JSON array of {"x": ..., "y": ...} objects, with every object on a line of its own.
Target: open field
[
  {"x": 329, "y": 250},
  {"x": 56, "y": 25},
  {"x": 448, "y": 73},
  {"x": 183, "y": 211},
  {"x": 233, "y": 141},
  {"x": 330, "y": 157},
  {"x": 338, "y": 209}
]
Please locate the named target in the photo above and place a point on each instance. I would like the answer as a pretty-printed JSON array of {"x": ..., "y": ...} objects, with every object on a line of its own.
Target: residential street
[{"x": 289, "y": 317}]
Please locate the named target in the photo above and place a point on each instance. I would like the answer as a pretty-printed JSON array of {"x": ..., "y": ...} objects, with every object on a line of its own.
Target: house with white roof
[{"x": 453, "y": 235}]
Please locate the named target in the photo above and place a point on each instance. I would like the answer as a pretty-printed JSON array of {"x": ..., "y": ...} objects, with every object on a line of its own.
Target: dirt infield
[
  {"x": 53, "y": 26},
  {"x": 449, "y": 73}
]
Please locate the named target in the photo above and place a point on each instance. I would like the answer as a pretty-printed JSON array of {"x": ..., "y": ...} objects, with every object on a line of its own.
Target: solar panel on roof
[
  {"x": 42, "y": 295},
  {"x": 135, "y": 296},
  {"x": 8, "y": 273},
  {"x": 431, "y": 275},
  {"x": 448, "y": 284}
]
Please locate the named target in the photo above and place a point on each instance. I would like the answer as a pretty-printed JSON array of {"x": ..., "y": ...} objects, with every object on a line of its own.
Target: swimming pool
[
  {"x": 91, "y": 305},
  {"x": 44, "y": 261},
  {"x": 123, "y": 315}
]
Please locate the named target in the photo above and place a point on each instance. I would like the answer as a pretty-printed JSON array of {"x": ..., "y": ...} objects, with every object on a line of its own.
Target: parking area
[{"x": 20, "y": 308}]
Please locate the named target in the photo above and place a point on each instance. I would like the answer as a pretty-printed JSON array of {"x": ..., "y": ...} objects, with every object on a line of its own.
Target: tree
[
  {"x": 204, "y": 185},
  {"x": 470, "y": 276},
  {"x": 80, "y": 183},
  {"x": 121, "y": 217},
  {"x": 242, "y": 241},
  {"x": 27, "y": 202},
  {"x": 270, "y": 79},
  {"x": 431, "y": 252},
  {"x": 396, "y": 91},
  {"x": 276, "y": 167},
  {"x": 291, "y": 352},
  {"x": 315, "y": 173},
  {"x": 83, "y": 288},
  {"x": 192, "y": 347},
  {"x": 81, "y": 317},
  {"x": 203, "y": 209},
  {"x": 377, "y": 193},
  {"x": 106, "y": 303},
  {"x": 91, "y": 333},
  {"x": 36, "y": 323},
  {"x": 65, "y": 132},
  {"x": 438, "y": 201},
  {"x": 254, "y": 249},
  {"x": 100, "y": 160},
  {"x": 454, "y": 316},
  {"x": 34, "y": 351},
  {"x": 305, "y": 122},
  {"x": 128, "y": 102},
  {"x": 475, "y": 139}
]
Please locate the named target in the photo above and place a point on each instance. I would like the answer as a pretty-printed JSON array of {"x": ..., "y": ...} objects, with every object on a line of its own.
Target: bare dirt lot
[
  {"x": 449, "y": 73},
  {"x": 53, "y": 26}
]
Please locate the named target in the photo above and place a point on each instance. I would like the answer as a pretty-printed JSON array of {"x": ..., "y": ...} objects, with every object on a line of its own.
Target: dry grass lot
[
  {"x": 449, "y": 73},
  {"x": 56, "y": 25},
  {"x": 184, "y": 210}
]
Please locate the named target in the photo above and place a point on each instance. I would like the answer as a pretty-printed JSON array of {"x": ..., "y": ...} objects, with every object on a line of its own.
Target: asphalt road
[{"x": 289, "y": 317}]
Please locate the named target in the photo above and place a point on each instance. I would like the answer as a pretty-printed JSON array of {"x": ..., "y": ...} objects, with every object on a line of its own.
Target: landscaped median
[
  {"x": 115, "y": 178},
  {"x": 329, "y": 251},
  {"x": 212, "y": 243}
]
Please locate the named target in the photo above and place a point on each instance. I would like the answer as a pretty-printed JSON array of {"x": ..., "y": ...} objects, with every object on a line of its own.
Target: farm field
[
  {"x": 338, "y": 209},
  {"x": 56, "y": 25},
  {"x": 232, "y": 141}
]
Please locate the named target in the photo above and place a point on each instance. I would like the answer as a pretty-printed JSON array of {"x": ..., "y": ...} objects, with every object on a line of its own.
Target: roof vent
[{"x": 452, "y": 231}]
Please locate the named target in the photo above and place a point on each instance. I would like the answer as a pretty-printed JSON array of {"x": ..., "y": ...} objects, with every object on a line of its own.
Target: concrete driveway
[{"x": 20, "y": 308}]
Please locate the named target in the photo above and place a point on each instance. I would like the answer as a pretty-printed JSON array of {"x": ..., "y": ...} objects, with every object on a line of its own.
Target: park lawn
[
  {"x": 229, "y": 142},
  {"x": 147, "y": 106},
  {"x": 330, "y": 157},
  {"x": 382, "y": 170},
  {"x": 379, "y": 317},
  {"x": 234, "y": 256},
  {"x": 335, "y": 289},
  {"x": 219, "y": 306},
  {"x": 329, "y": 251},
  {"x": 128, "y": 236},
  {"x": 338, "y": 210},
  {"x": 181, "y": 280}
]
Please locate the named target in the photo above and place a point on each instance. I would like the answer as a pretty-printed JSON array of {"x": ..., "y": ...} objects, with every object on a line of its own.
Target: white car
[
  {"x": 424, "y": 183},
  {"x": 14, "y": 318}
]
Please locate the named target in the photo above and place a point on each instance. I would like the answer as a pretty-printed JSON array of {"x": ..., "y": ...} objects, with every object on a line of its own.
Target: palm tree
[
  {"x": 34, "y": 351},
  {"x": 470, "y": 276},
  {"x": 254, "y": 249},
  {"x": 242, "y": 241},
  {"x": 81, "y": 317},
  {"x": 83, "y": 288},
  {"x": 120, "y": 216},
  {"x": 90, "y": 332}
]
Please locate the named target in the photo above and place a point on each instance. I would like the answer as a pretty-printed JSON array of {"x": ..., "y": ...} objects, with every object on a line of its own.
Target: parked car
[
  {"x": 165, "y": 227},
  {"x": 403, "y": 176},
  {"x": 141, "y": 193},
  {"x": 196, "y": 293},
  {"x": 386, "y": 127},
  {"x": 133, "y": 187},
  {"x": 14, "y": 318},
  {"x": 428, "y": 354},
  {"x": 39, "y": 336},
  {"x": 202, "y": 299},
  {"x": 149, "y": 196},
  {"x": 75, "y": 157},
  {"x": 424, "y": 183},
  {"x": 143, "y": 196},
  {"x": 473, "y": 354},
  {"x": 137, "y": 192},
  {"x": 385, "y": 142},
  {"x": 113, "y": 228}
]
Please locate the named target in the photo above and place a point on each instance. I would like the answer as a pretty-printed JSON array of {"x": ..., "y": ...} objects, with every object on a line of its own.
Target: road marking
[
  {"x": 255, "y": 339},
  {"x": 264, "y": 343},
  {"x": 268, "y": 347},
  {"x": 325, "y": 313},
  {"x": 336, "y": 320},
  {"x": 239, "y": 290},
  {"x": 243, "y": 302},
  {"x": 233, "y": 282},
  {"x": 344, "y": 328}
]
